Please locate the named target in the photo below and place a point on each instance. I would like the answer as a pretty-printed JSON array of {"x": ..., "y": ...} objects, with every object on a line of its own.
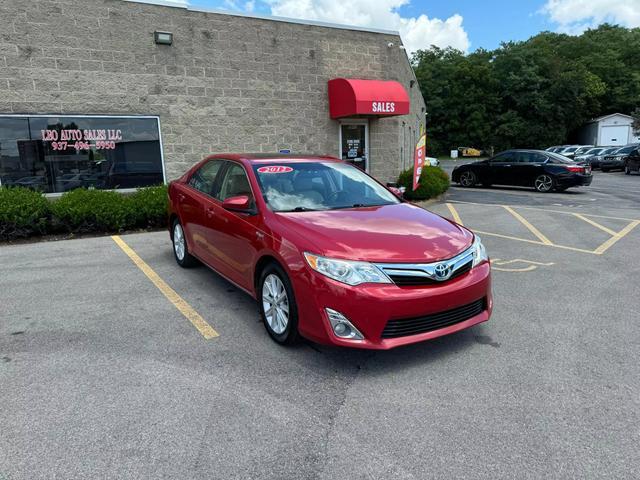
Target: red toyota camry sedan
[{"x": 328, "y": 252}]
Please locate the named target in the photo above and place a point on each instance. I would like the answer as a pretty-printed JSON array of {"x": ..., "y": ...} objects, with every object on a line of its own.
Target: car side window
[
  {"x": 234, "y": 183},
  {"x": 503, "y": 158},
  {"x": 531, "y": 157},
  {"x": 204, "y": 179}
]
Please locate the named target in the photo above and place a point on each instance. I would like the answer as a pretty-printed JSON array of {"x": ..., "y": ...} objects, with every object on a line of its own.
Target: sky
[{"x": 463, "y": 24}]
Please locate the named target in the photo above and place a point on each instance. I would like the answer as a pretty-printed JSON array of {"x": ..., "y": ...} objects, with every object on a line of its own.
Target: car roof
[
  {"x": 256, "y": 158},
  {"x": 527, "y": 150}
]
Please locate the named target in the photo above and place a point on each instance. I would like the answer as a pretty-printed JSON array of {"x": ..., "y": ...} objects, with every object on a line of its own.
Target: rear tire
[
  {"x": 468, "y": 179},
  {"x": 604, "y": 170},
  {"x": 277, "y": 305},
  {"x": 544, "y": 183},
  {"x": 627, "y": 170},
  {"x": 180, "y": 249}
]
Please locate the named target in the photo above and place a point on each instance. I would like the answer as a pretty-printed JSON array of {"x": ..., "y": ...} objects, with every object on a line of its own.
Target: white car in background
[{"x": 432, "y": 161}]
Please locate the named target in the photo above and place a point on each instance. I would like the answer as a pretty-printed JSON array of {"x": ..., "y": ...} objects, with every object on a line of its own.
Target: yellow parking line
[
  {"x": 617, "y": 236},
  {"x": 531, "y": 228},
  {"x": 534, "y": 242},
  {"x": 183, "y": 307},
  {"x": 545, "y": 210},
  {"x": 595, "y": 224},
  {"x": 454, "y": 214}
]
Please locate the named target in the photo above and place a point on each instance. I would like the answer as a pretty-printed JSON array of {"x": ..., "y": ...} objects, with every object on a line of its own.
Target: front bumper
[
  {"x": 612, "y": 163},
  {"x": 369, "y": 307}
]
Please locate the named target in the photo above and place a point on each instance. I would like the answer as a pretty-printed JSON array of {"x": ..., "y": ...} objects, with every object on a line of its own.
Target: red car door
[
  {"x": 192, "y": 199},
  {"x": 234, "y": 238}
]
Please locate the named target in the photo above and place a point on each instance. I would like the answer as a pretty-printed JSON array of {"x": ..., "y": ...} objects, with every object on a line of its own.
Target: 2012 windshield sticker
[
  {"x": 100, "y": 139},
  {"x": 275, "y": 169}
]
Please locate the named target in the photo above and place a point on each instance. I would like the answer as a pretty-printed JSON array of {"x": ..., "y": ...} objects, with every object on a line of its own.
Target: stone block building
[{"x": 117, "y": 94}]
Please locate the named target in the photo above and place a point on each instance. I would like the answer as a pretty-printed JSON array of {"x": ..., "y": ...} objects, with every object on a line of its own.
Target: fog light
[{"x": 342, "y": 327}]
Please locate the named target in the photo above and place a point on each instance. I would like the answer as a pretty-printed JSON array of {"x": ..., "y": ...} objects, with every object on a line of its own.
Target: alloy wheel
[
  {"x": 467, "y": 179},
  {"x": 178, "y": 241},
  {"x": 275, "y": 303},
  {"x": 544, "y": 183}
]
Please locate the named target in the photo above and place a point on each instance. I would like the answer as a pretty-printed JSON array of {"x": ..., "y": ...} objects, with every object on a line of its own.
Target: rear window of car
[{"x": 556, "y": 158}]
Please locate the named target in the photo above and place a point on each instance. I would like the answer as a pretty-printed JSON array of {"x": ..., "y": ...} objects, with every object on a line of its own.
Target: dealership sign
[
  {"x": 77, "y": 139},
  {"x": 383, "y": 107}
]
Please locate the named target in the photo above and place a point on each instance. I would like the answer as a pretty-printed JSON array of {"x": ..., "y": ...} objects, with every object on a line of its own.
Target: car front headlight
[
  {"x": 345, "y": 271},
  {"x": 479, "y": 252}
]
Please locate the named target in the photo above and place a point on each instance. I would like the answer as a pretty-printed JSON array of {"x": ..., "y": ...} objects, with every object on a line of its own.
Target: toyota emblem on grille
[{"x": 442, "y": 271}]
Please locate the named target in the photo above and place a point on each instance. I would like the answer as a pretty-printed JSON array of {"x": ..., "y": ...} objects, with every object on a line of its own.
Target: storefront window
[{"x": 59, "y": 153}]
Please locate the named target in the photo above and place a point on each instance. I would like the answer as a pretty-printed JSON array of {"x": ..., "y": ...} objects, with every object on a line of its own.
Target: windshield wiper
[
  {"x": 361, "y": 205},
  {"x": 299, "y": 209}
]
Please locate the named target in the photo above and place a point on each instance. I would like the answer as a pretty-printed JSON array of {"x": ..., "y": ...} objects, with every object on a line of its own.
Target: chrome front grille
[{"x": 406, "y": 274}]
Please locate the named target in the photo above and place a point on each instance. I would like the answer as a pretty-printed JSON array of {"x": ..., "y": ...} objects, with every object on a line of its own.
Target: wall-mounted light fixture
[
  {"x": 163, "y": 38},
  {"x": 411, "y": 83}
]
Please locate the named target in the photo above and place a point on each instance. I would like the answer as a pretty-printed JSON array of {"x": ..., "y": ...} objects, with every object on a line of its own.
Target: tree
[
  {"x": 636, "y": 122},
  {"x": 528, "y": 94}
]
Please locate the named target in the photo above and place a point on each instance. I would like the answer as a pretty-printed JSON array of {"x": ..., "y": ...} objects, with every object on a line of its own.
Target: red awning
[{"x": 350, "y": 97}]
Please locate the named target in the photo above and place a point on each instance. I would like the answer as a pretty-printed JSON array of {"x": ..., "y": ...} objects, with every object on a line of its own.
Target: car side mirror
[
  {"x": 238, "y": 203},
  {"x": 396, "y": 191}
]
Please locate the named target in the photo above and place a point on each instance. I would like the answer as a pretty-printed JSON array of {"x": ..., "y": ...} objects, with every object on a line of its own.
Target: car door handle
[
  {"x": 210, "y": 212},
  {"x": 181, "y": 197}
]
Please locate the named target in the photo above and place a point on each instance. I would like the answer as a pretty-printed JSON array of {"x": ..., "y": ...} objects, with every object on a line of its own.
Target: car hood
[{"x": 401, "y": 233}]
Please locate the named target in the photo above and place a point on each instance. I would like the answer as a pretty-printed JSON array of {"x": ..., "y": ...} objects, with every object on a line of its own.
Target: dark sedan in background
[
  {"x": 632, "y": 163},
  {"x": 594, "y": 158},
  {"x": 618, "y": 159},
  {"x": 542, "y": 170}
]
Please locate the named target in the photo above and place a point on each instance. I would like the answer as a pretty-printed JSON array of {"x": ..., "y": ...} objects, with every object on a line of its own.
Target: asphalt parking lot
[{"x": 115, "y": 363}]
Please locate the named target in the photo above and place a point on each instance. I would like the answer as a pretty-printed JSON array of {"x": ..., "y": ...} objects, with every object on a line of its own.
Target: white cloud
[
  {"x": 575, "y": 16},
  {"x": 416, "y": 32}
]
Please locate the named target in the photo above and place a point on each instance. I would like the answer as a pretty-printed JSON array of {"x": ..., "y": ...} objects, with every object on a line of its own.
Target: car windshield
[
  {"x": 628, "y": 149},
  {"x": 570, "y": 149},
  {"x": 593, "y": 151},
  {"x": 306, "y": 186}
]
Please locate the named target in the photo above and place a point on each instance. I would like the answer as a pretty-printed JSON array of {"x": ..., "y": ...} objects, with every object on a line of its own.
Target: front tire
[
  {"x": 544, "y": 183},
  {"x": 277, "y": 305},
  {"x": 604, "y": 170},
  {"x": 180, "y": 249},
  {"x": 627, "y": 170},
  {"x": 468, "y": 179}
]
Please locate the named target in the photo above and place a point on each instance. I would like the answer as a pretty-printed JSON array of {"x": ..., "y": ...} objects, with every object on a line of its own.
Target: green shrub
[
  {"x": 433, "y": 182},
  {"x": 23, "y": 213},
  {"x": 151, "y": 205},
  {"x": 82, "y": 211}
]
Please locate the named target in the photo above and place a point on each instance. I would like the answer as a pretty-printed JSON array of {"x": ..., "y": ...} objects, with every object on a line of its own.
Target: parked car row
[
  {"x": 606, "y": 158},
  {"x": 570, "y": 151}
]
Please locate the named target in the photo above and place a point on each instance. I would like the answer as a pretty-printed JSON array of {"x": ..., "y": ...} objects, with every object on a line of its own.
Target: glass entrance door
[{"x": 354, "y": 144}]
